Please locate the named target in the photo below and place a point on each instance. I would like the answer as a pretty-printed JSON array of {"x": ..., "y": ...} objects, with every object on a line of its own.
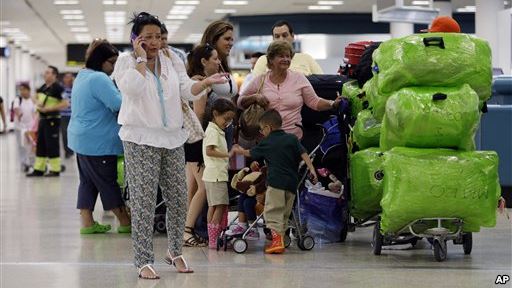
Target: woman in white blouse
[{"x": 152, "y": 86}]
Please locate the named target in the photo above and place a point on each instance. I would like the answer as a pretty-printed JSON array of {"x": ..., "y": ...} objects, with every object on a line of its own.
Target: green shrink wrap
[
  {"x": 366, "y": 130},
  {"x": 434, "y": 183},
  {"x": 434, "y": 59},
  {"x": 431, "y": 117},
  {"x": 366, "y": 183}
]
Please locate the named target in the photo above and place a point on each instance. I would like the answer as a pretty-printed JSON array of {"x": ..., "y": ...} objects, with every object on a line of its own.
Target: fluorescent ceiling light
[
  {"x": 76, "y": 23},
  {"x": 330, "y": 2},
  {"x": 73, "y": 17},
  {"x": 11, "y": 30},
  {"x": 186, "y": 2},
  {"x": 117, "y": 2},
  {"x": 225, "y": 11},
  {"x": 420, "y": 2},
  {"x": 71, "y": 12},
  {"x": 65, "y": 2},
  {"x": 467, "y": 9},
  {"x": 79, "y": 29},
  {"x": 316, "y": 7},
  {"x": 178, "y": 17},
  {"x": 115, "y": 13},
  {"x": 235, "y": 2},
  {"x": 173, "y": 22},
  {"x": 182, "y": 10},
  {"x": 5, "y": 23}
]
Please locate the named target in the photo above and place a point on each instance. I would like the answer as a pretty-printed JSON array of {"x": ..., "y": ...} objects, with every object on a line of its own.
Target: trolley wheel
[
  {"x": 378, "y": 239},
  {"x": 240, "y": 246},
  {"x": 306, "y": 243},
  {"x": 160, "y": 224},
  {"x": 467, "y": 242},
  {"x": 439, "y": 250},
  {"x": 287, "y": 240}
]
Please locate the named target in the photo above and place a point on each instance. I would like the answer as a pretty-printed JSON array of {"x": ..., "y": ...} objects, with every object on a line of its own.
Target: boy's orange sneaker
[{"x": 277, "y": 244}]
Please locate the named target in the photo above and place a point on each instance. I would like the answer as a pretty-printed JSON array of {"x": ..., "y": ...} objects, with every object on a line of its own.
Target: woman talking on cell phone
[{"x": 153, "y": 136}]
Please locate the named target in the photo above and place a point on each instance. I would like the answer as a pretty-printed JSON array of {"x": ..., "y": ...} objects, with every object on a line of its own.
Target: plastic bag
[
  {"x": 431, "y": 117},
  {"x": 355, "y": 95},
  {"x": 366, "y": 179},
  {"x": 323, "y": 216},
  {"x": 376, "y": 100},
  {"x": 434, "y": 59},
  {"x": 366, "y": 130},
  {"x": 429, "y": 183}
]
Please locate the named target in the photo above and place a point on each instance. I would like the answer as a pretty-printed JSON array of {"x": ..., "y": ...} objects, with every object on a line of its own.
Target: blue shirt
[
  {"x": 66, "y": 95},
  {"x": 93, "y": 128}
]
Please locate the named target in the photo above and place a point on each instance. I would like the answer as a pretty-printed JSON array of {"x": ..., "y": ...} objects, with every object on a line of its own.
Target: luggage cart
[{"x": 435, "y": 230}]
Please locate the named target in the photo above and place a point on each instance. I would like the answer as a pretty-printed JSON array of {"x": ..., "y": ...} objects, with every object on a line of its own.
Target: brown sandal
[{"x": 193, "y": 240}]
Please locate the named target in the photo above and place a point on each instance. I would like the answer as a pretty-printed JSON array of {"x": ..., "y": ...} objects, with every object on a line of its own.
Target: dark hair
[
  {"x": 163, "y": 29},
  {"x": 273, "y": 118},
  {"x": 221, "y": 106},
  {"x": 282, "y": 23},
  {"x": 211, "y": 35},
  {"x": 363, "y": 71},
  {"x": 257, "y": 55},
  {"x": 54, "y": 70},
  {"x": 195, "y": 67},
  {"x": 142, "y": 19},
  {"x": 25, "y": 85},
  {"x": 98, "y": 52}
]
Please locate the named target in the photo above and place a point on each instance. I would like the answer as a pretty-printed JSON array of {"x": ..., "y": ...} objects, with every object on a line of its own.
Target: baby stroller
[
  {"x": 296, "y": 228},
  {"x": 331, "y": 155}
]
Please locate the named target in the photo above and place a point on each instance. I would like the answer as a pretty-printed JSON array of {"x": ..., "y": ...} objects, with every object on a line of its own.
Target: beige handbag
[
  {"x": 250, "y": 117},
  {"x": 191, "y": 123}
]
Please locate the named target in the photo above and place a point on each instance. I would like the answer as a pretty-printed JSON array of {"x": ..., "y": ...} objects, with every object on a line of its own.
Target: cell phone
[{"x": 134, "y": 36}]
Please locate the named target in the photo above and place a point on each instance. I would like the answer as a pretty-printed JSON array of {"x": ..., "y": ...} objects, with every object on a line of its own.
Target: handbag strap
[{"x": 261, "y": 83}]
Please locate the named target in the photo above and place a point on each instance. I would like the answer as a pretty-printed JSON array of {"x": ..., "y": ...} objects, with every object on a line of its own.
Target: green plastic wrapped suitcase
[
  {"x": 376, "y": 100},
  {"x": 366, "y": 182},
  {"x": 434, "y": 59},
  {"x": 430, "y": 183},
  {"x": 355, "y": 96},
  {"x": 366, "y": 131},
  {"x": 431, "y": 117}
]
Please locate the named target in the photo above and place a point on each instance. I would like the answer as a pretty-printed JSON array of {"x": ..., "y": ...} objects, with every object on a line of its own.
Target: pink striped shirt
[{"x": 287, "y": 98}]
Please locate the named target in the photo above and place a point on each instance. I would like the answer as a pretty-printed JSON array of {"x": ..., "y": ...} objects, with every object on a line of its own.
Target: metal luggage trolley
[{"x": 435, "y": 230}]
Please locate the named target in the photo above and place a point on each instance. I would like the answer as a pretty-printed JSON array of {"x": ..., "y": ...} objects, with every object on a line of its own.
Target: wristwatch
[{"x": 140, "y": 60}]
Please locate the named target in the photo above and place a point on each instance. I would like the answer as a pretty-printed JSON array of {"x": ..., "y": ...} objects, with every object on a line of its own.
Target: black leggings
[{"x": 247, "y": 205}]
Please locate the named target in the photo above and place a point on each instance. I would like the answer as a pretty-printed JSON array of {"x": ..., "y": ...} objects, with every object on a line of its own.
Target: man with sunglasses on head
[{"x": 301, "y": 62}]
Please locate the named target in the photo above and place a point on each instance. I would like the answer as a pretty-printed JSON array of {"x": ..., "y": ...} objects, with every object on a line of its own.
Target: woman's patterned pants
[{"x": 147, "y": 168}]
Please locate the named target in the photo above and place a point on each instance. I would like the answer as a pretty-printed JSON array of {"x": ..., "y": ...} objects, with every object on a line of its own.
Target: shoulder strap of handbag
[{"x": 261, "y": 83}]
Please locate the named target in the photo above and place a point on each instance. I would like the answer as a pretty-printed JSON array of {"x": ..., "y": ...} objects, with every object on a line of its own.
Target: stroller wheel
[
  {"x": 160, "y": 224},
  {"x": 287, "y": 240},
  {"x": 219, "y": 243},
  {"x": 240, "y": 245},
  {"x": 306, "y": 243}
]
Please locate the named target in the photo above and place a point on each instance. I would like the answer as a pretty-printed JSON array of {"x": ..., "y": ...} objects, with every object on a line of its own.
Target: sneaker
[
  {"x": 235, "y": 230},
  {"x": 277, "y": 244},
  {"x": 253, "y": 234}
]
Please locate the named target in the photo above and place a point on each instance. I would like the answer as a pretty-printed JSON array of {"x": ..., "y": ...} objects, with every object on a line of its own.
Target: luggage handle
[
  {"x": 439, "y": 96},
  {"x": 434, "y": 41}
]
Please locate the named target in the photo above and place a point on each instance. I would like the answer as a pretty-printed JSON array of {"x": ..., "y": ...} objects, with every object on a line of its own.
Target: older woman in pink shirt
[{"x": 284, "y": 90}]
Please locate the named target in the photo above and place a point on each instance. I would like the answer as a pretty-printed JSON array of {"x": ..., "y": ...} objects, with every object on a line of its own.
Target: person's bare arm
[
  {"x": 310, "y": 166},
  {"x": 2, "y": 114},
  {"x": 212, "y": 152}
]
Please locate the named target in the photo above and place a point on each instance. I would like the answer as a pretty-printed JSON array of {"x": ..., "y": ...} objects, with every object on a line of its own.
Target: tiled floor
[{"x": 41, "y": 247}]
